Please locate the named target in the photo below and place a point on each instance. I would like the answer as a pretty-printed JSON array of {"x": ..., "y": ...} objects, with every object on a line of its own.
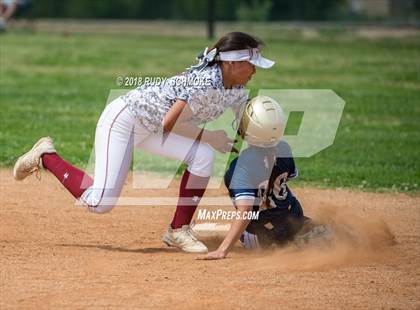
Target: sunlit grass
[{"x": 57, "y": 85}]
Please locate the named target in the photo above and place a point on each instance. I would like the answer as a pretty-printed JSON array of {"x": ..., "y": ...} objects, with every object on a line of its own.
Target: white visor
[{"x": 252, "y": 55}]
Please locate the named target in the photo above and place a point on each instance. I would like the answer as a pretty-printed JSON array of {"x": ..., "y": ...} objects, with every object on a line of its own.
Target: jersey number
[{"x": 279, "y": 190}]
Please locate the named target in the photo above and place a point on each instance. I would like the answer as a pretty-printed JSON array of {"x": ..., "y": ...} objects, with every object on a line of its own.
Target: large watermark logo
[
  {"x": 155, "y": 167},
  {"x": 321, "y": 111}
]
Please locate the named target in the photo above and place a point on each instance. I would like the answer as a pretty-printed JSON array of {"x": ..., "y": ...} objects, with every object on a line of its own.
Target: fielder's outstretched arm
[
  {"x": 178, "y": 120},
  {"x": 236, "y": 230}
]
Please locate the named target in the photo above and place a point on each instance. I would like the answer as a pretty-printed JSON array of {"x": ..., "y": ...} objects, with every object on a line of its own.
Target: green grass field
[{"x": 53, "y": 84}]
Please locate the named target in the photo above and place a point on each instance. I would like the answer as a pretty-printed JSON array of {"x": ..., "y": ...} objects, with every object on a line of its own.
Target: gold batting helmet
[{"x": 262, "y": 122}]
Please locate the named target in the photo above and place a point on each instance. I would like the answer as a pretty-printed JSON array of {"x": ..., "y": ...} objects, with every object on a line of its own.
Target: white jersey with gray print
[{"x": 202, "y": 90}]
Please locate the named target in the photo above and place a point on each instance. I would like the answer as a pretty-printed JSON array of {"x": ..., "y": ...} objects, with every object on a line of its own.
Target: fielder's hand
[{"x": 220, "y": 141}]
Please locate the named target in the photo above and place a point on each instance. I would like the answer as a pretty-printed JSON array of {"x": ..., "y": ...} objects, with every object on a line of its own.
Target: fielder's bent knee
[
  {"x": 95, "y": 202},
  {"x": 200, "y": 160},
  {"x": 100, "y": 209}
]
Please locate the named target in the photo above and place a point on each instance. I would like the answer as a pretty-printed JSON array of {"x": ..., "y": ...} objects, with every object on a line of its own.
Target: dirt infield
[{"x": 57, "y": 255}]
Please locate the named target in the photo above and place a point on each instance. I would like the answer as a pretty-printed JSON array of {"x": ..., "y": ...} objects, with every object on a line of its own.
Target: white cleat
[
  {"x": 31, "y": 161},
  {"x": 185, "y": 239}
]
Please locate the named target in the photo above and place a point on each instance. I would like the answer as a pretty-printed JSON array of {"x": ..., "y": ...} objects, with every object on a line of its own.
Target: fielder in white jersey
[{"x": 162, "y": 119}]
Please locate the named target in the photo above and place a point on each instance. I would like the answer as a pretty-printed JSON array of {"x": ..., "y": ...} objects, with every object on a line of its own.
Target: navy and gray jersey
[{"x": 261, "y": 174}]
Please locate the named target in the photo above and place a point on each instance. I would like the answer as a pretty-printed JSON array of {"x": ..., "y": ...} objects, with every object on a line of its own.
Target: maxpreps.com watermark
[
  {"x": 207, "y": 215},
  {"x": 133, "y": 81}
]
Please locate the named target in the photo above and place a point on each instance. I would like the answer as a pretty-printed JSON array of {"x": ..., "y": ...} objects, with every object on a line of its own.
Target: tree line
[{"x": 225, "y": 10}]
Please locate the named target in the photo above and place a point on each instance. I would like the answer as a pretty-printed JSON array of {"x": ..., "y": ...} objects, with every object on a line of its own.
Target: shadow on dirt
[{"x": 122, "y": 249}]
